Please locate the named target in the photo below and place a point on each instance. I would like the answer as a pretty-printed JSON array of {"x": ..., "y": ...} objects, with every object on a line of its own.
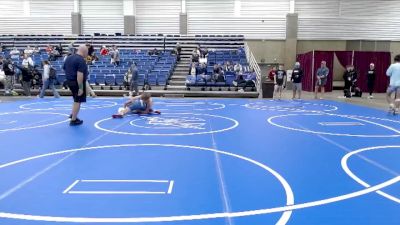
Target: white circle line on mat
[
  {"x": 34, "y": 127},
  {"x": 344, "y": 163},
  {"x": 235, "y": 124},
  {"x": 283, "y": 219},
  {"x": 270, "y": 121}
]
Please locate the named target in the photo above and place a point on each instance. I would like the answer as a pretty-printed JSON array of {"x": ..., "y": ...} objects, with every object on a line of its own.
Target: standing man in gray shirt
[
  {"x": 322, "y": 78},
  {"x": 133, "y": 85}
]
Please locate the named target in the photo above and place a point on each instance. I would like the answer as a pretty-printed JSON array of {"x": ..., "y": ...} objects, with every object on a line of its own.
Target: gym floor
[{"x": 202, "y": 161}]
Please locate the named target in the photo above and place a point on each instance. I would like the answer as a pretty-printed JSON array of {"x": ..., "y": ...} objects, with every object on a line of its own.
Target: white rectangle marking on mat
[
  {"x": 69, "y": 189},
  {"x": 341, "y": 124}
]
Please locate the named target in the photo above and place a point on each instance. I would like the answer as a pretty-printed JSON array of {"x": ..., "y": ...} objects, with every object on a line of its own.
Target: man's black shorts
[{"x": 74, "y": 88}]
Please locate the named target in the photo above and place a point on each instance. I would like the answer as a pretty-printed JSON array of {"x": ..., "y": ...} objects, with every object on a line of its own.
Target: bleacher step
[
  {"x": 178, "y": 77},
  {"x": 177, "y": 83}
]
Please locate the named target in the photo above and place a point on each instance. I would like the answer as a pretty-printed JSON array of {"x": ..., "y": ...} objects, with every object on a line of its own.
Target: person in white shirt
[
  {"x": 28, "y": 50},
  {"x": 48, "y": 80},
  {"x": 394, "y": 86},
  {"x": 14, "y": 54},
  {"x": 27, "y": 61}
]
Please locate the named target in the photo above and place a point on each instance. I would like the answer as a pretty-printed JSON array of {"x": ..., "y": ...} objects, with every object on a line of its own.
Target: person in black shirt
[
  {"x": 371, "y": 76},
  {"x": 76, "y": 72},
  {"x": 297, "y": 76},
  {"x": 9, "y": 71},
  {"x": 280, "y": 81},
  {"x": 26, "y": 79},
  {"x": 350, "y": 78}
]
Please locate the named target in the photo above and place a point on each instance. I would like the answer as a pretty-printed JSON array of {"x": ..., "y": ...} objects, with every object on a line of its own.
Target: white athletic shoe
[
  {"x": 120, "y": 110},
  {"x": 370, "y": 97},
  {"x": 241, "y": 90}
]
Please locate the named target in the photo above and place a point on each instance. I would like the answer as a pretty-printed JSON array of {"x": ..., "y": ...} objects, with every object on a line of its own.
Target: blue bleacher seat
[
  {"x": 119, "y": 80},
  {"x": 109, "y": 80},
  {"x": 100, "y": 79}
]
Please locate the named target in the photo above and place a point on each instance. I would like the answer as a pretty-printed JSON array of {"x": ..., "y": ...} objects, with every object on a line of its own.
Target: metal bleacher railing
[{"x": 253, "y": 64}]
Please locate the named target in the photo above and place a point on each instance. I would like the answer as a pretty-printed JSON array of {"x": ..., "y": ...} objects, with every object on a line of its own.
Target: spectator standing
[
  {"x": 71, "y": 48},
  {"x": 49, "y": 77},
  {"x": 26, "y": 73},
  {"x": 322, "y": 78},
  {"x": 115, "y": 56},
  {"x": 9, "y": 72},
  {"x": 272, "y": 73},
  {"x": 371, "y": 76},
  {"x": 280, "y": 82},
  {"x": 133, "y": 84},
  {"x": 296, "y": 78}
]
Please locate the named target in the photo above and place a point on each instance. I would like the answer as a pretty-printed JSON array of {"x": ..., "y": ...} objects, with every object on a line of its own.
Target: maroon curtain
[
  {"x": 344, "y": 57},
  {"x": 327, "y": 56},
  {"x": 306, "y": 64},
  {"x": 382, "y": 62}
]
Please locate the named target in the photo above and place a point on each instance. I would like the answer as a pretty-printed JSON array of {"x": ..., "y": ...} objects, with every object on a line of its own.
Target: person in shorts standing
[
  {"x": 280, "y": 82},
  {"x": 394, "y": 87},
  {"x": 76, "y": 72},
  {"x": 297, "y": 76},
  {"x": 322, "y": 78}
]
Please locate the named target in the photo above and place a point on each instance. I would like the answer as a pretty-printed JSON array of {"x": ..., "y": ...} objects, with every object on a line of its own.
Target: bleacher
[
  {"x": 220, "y": 57},
  {"x": 156, "y": 71}
]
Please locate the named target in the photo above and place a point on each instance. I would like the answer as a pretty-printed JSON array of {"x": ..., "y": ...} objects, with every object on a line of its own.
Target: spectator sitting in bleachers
[
  {"x": 37, "y": 77},
  {"x": 49, "y": 49},
  {"x": 196, "y": 55},
  {"x": 246, "y": 80},
  {"x": 90, "y": 49},
  {"x": 28, "y": 50},
  {"x": 203, "y": 52},
  {"x": 154, "y": 52},
  {"x": 27, "y": 61},
  {"x": 202, "y": 73},
  {"x": 193, "y": 69},
  {"x": 228, "y": 66},
  {"x": 115, "y": 56},
  {"x": 218, "y": 75},
  {"x": 54, "y": 52},
  {"x": 15, "y": 53},
  {"x": 36, "y": 49},
  {"x": 2, "y": 48},
  {"x": 104, "y": 51},
  {"x": 238, "y": 68}
]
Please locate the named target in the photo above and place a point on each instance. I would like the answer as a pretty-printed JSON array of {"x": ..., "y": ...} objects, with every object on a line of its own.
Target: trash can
[{"x": 268, "y": 89}]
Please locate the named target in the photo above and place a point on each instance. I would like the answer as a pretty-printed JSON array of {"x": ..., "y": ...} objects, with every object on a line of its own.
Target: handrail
[{"x": 253, "y": 64}]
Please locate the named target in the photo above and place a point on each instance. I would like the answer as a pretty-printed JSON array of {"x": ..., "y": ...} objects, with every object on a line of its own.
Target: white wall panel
[
  {"x": 42, "y": 17},
  {"x": 257, "y": 19},
  {"x": 348, "y": 20},
  {"x": 155, "y": 16},
  {"x": 102, "y": 16}
]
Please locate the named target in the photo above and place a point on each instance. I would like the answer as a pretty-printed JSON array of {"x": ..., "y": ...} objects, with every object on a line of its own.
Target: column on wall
[
  {"x": 291, "y": 39},
  {"x": 76, "y": 18},
  {"x": 183, "y": 19},
  {"x": 129, "y": 17}
]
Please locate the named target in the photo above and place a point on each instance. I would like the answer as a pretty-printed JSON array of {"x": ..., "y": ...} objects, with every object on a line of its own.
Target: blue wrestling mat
[{"x": 202, "y": 161}]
